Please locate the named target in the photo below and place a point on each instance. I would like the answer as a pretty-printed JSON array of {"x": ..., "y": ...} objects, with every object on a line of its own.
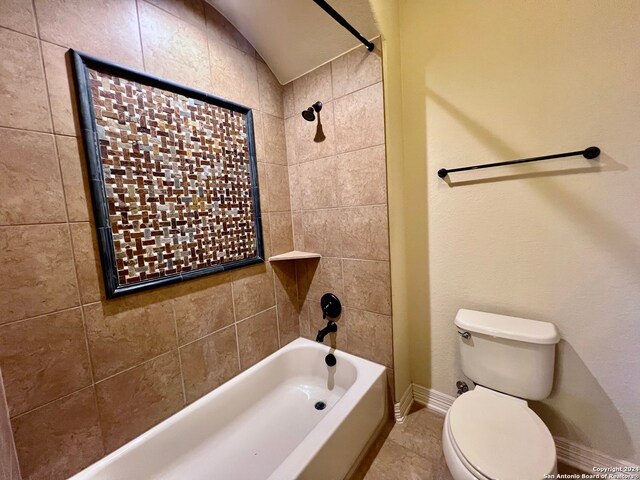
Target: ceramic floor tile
[
  {"x": 421, "y": 433},
  {"x": 395, "y": 462},
  {"x": 443, "y": 470},
  {"x": 413, "y": 450}
]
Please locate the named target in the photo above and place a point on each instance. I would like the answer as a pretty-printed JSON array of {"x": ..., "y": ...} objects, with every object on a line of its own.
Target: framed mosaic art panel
[{"x": 173, "y": 177}]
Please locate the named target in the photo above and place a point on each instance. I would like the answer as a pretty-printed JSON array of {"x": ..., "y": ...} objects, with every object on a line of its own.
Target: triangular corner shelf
[{"x": 294, "y": 255}]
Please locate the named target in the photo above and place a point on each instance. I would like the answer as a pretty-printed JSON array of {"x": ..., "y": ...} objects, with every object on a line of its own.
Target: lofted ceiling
[{"x": 296, "y": 36}]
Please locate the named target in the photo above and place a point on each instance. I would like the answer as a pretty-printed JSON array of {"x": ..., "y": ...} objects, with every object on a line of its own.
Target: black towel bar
[{"x": 590, "y": 153}]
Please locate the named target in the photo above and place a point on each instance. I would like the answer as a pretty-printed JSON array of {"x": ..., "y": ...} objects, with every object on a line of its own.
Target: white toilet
[{"x": 490, "y": 432}]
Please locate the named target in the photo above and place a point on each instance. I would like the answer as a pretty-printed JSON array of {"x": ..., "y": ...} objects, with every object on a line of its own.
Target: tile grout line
[
  {"x": 255, "y": 58},
  {"x": 366, "y": 311},
  {"x": 298, "y": 309},
  {"x": 206, "y": 34},
  {"x": 345, "y": 306},
  {"x": 270, "y": 220},
  {"x": 38, "y": 224},
  {"x": 338, "y": 154},
  {"x": 256, "y": 314},
  {"x": 191, "y": 342},
  {"x": 93, "y": 380},
  {"x": 42, "y": 315},
  {"x": 235, "y": 326},
  {"x": 175, "y": 326},
  {"x": 288, "y": 197},
  {"x": 339, "y": 207},
  {"x": 275, "y": 294},
  {"x": 333, "y": 98},
  {"x": 55, "y": 134},
  {"x": 346, "y": 326},
  {"x": 346, "y": 152},
  {"x": 63, "y": 397},
  {"x": 4, "y": 27},
  {"x": 264, "y": 189},
  {"x": 178, "y": 17},
  {"x": 109, "y": 377},
  {"x": 309, "y": 336},
  {"x": 144, "y": 66},
  {"x": 54, "y": 43},
  {"x": 86, "y": 340},
  {"x": 271, "y": 114}
]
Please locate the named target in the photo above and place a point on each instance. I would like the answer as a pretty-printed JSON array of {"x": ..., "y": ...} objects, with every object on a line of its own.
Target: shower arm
[{"x": 342, "y": 21}]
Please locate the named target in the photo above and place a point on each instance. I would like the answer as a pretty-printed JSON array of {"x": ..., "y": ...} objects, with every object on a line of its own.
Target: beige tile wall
[
  {"x": 339, "y": 201},
  {"x": 84, "y": 375}
]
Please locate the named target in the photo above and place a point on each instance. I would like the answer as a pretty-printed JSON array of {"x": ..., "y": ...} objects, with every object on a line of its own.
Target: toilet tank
[{"x": 509, "y": 354}]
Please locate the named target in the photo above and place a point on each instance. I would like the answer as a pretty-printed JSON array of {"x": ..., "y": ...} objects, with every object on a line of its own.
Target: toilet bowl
[{"x": 489, "y": 435}]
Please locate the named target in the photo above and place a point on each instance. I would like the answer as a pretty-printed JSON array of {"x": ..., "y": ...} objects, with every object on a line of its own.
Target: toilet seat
[
  {"x": 497, "y": 436},
  {"x": 458, "y": 465}
]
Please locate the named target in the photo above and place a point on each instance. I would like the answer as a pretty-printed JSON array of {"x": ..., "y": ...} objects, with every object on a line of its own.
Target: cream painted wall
[
  {"x": 559, "y": 241},
  {"x": 387, "y": 15}
]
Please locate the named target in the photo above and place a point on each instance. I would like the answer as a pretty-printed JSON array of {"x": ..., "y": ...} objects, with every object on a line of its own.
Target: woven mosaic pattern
[{"x": 177, "y": 179}]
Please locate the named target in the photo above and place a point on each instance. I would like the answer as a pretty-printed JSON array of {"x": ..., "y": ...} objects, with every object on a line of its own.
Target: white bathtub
[{"x": 262, "y": 424}]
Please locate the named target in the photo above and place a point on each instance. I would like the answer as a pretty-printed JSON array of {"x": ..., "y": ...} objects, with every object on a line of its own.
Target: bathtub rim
[{"x": 367, "y": 373}]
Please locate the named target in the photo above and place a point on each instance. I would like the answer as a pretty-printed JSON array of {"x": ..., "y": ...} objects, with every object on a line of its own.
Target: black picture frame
[{"x": 81, "y": 63}]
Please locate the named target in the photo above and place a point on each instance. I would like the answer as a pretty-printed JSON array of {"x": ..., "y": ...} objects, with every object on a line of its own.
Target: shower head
[{"x": 310, "y": 113}]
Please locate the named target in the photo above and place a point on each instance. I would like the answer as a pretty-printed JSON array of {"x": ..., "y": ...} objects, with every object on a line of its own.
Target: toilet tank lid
[{"x": 504, "y": 326}]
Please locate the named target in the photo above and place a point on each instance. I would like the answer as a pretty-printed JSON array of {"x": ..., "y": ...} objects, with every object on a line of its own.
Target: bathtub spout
[{"x": 331, "y": 327}]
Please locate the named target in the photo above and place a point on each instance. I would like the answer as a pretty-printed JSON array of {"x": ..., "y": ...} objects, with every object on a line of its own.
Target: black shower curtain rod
[
  {"x": 342, "y": 21},
  {"x": 589, "y": 153}
]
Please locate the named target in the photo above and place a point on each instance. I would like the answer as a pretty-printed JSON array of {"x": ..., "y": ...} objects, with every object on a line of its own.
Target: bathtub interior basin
[{"x": 289, "y": 416}]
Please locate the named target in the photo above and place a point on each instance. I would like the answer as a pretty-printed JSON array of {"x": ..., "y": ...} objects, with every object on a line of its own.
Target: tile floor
[{"x": 412, "y": 451}]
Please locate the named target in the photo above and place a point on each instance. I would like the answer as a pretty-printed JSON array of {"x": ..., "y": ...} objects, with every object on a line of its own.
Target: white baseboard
[
  {"x": 569, "y": 452},
  {"x": 401, "y": 409},
  {"x": 585, "y": 458},
  {"x": 432, "y": 399}
]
